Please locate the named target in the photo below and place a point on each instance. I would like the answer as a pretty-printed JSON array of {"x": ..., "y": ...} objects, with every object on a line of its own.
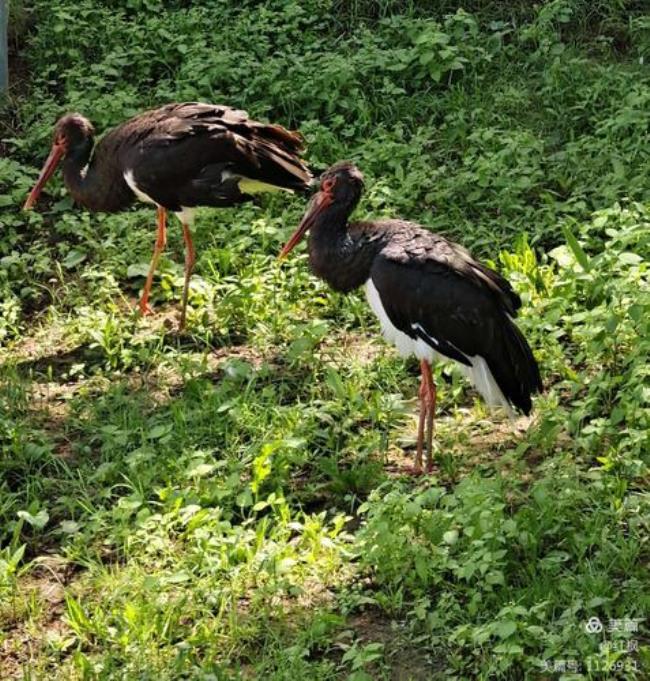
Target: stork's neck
[
  {"x": 342, "y": 253},
  {"x": 94, "y": 183}
]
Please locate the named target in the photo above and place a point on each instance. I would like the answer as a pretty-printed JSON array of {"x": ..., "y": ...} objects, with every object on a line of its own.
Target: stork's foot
[
  {"x": 144, "y": 308},
  {"x": 416, "y": 471}
]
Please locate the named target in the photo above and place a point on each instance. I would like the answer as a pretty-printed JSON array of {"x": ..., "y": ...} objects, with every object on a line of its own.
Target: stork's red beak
[
  {"x": 317, "y": 205},
  {"x": 57, "y": 151}
]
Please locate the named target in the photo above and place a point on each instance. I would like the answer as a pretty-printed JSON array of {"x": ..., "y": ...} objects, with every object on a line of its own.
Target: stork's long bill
[
  {"x": 57, "y": 151},
  {"x": 317, "y": 205}
]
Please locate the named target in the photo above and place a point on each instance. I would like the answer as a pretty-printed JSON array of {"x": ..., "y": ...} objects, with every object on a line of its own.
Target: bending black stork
[
  {"x": 178, "y": 157},
  {"x": 432, "y": 298}
]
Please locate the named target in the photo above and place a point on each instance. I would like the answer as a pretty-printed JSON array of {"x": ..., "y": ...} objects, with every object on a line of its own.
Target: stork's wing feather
[
  {"x": 431, "y": 298},
  {"x": 178, "y": 144},
  {"x": 413, "y": 244},
  {"x": 437, "y": 292}
]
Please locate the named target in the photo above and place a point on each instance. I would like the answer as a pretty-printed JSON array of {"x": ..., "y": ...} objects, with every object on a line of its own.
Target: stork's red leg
[
  {"x": 427, "y": 412},
  {"x": 430, "y": 401},
  {"x": 417, "y": 468},
  {"x": 159, "y": 246},
  {"x": 190, "y": 259}
]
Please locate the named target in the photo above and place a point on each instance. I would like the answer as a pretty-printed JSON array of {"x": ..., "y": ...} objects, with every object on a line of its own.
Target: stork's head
[
  {"x": 343, "y": 182},
  {"x": 341, "y": 185},
  {"x": 70, "y": 131}
]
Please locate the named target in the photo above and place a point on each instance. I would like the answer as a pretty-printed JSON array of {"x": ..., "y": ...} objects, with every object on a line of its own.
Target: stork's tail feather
[
  {"x": 510, "y": 377},
  {"x": 280, "y": 161},
  {"x": 291, "y": 140}
]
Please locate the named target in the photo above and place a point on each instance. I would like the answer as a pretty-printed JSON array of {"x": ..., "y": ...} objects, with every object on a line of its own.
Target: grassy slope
[{"x": 232, "y": 503}]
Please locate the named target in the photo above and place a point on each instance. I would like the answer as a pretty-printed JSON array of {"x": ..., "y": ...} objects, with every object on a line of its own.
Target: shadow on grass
[{"x": 57, "y": 366}]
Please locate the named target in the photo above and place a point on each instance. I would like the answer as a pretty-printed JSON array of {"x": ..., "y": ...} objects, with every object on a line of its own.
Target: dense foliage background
[{"x": 232, "y": 503}]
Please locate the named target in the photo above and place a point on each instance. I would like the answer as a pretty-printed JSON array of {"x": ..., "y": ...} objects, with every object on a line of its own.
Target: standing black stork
[
  {"x": 431, "y": 297},
  {"x": 177, "y": 157}
]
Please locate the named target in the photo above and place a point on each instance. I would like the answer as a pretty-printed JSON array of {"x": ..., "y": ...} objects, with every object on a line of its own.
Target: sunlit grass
[{"x": 235, "y": 501}]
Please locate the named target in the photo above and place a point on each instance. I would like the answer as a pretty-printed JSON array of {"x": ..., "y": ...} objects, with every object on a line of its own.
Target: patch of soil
[
  {"x": 20, "y": 638},
  {"x": 49, "y": 400},
  {"x": 58, "y": 365},
  {"x": 45, "y": 340},
  {"x": 406, "y": 661},
  {"x": 341, "y": 347}
]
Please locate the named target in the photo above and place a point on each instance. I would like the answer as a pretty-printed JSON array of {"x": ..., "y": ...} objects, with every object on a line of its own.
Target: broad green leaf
[
  {"x": 39, "y": 521},
  {"x": 140, "y": 269},
  {"x": 506, "y": 628},
  {"x": 159, "y": 431},
  {"x": 73, "y": 258},
  {"x": 450, "y": 537},
  {"x": 581, "y": 256},
  {"x": 629, "y": 258}
]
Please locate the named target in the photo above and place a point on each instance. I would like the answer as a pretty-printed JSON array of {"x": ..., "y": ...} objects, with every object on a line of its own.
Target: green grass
[{"x": 234, "y": 502}]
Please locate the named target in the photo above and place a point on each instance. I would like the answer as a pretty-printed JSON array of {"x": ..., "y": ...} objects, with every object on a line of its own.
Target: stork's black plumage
[
  {"x": 433, "y": 299},
  {"x": 178, "y": 157}
]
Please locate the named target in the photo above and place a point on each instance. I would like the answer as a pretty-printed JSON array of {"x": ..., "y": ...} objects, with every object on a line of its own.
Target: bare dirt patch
[
  {"x": 343, "y": 346},
  {"x": 406, "y": 660},
  {"x": 33, "y": 619}
]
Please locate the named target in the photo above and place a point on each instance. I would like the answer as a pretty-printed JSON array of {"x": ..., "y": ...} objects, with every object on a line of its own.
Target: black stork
[
  {"x": 177, "y": 157},
  {"x": 432, "y": 298}
]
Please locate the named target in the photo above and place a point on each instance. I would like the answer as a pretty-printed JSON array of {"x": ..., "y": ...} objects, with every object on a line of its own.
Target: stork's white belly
[
  {"x": 405, "y": 344},
  {"x": 478, "y": 373}
]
